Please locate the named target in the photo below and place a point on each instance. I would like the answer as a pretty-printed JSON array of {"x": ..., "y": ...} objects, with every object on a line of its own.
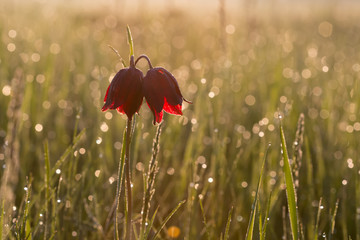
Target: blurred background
[{"x": 241, "y": 63}]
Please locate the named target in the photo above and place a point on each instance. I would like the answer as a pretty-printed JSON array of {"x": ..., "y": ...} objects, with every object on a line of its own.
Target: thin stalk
[
  {"x": 317, "y": 221},
  {"x": 120, "y": 178},
  {"x": 331, "y": 231},
  {"x": 227, "y": 228},
  {"x": 147, "y": 59},
  {"x": 118, "y": 54},
  {"x": 149, "y": 185},
  {"x": 128, "y": 179},
  {"x": 47, "y": 188},
  {"x": 2, "y": 219}
]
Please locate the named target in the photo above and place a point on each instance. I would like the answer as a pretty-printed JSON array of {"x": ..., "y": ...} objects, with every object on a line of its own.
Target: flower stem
[
  {"x": 147, "y": 59},
  {"x": 128, "y": 179}
]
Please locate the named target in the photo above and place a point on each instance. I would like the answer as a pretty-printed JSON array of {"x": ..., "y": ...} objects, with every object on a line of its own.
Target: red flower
[
  {"x": 125, "y": 91},
  {"x": 162, "y": 92}
]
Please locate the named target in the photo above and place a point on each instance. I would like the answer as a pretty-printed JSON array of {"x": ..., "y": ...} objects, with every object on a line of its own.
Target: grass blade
[
  {"x": 25, "y": 212},
  {"x": 130, "y": 41},
  {"x": 118, "y": 54},
  {"x": 250, "y": 230},
  {"x": 2, "y": 219},
  {"x": 151, "y": 224},
  {"x": 67, "y": 152},
  {"x": 47, "y": 187},
  {"x": 204, "y": 219},
  {"x": 290, "y": 188},
  {"x": 227, "y": 228},
  {"x": 317, "y": 221},
  {"x": 332, "y": 226},
  {"x": 168, "y": 218},
  {"x": 266, "y": 220}
]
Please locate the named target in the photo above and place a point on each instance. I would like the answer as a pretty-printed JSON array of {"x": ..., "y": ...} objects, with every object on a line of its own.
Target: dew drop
[{"x": 98, "y": 140}]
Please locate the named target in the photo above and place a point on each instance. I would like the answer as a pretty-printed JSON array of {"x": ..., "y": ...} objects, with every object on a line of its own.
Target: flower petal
[
  {"x": 125, "y": 92},
  {"x": 157, "y": 115},
  {"x": 172, "y": 109}
]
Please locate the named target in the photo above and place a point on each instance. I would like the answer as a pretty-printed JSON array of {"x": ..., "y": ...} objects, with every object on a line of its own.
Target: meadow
[{"x": 247, "y": 71}]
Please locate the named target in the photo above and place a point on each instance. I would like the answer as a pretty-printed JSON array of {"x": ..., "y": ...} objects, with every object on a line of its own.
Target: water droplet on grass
[{"x": 98, "y": 140}]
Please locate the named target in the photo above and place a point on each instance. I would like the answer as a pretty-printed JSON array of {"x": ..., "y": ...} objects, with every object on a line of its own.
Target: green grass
[{"x": 273, "y": 63}]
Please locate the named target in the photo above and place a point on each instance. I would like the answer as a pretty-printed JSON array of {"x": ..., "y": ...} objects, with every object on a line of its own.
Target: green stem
[
  {"x": 119, "y": 184},
  {"x": 128, "y": 179}
]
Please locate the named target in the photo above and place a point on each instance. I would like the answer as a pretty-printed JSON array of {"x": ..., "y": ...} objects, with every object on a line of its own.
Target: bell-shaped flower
[
  {"x": 125, "y": 91},
  {"x": 162, "y": 92}
]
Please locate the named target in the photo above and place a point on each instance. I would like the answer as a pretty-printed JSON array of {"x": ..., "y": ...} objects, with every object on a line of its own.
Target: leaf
[
  {"x": 250, "y": 230},
  {"x": 227, "y": 228},
  {"x": 290, "y": 188},
  {"x": 168, "y": 218}
]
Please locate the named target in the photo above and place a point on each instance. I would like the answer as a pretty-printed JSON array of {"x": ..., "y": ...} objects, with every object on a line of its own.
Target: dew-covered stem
[{"x": 128, "y": 179}]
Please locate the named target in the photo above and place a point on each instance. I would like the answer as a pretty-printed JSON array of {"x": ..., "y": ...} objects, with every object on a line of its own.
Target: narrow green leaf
[
  {"x": 2, "y": 219},
  {"x": 250, "y": 229},
  {"x": 150, "y": 224},
  {"x": 67, "y": 152},
  {"x": 25, "y": 212},
  {"x": 118, "y": 54},
  {"x": 227, "y": 228},
  {"x": 130, "y": 41},
  {"x": 47, "y": 187},
  {"x": 290, "y": 188},
  {"x": 317, "y": 221},
  {"x": 168, "y": 218},
  {"x": 331, "y": 233},
  {"x": 266, "y": 220},
  {"x": 204, "y": 219}
]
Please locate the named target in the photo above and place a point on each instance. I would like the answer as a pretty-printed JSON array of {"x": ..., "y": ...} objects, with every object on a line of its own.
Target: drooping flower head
[
  {"x": 125, "y": 91},
  {"x": 159, "y": 87},
  {"x": 162, "y": 92}
]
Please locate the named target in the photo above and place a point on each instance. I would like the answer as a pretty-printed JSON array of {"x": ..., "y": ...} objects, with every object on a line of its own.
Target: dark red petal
[
  {"x": 172, "y": 109},
  {"x": 134, "y": 95},
  {"x": 153, "y": 91},
  {"x": 173, "y": 94},
  {"x": 107, "y": 92},
  {"x": 162, "y": 92},
  {"x": 120, "y": 109},
  {"x": 157, "y": 115},
  {"x": 125, "y": 92}
]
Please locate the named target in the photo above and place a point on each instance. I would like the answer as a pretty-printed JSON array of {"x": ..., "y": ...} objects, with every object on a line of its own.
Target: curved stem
[
  {"x": 147, "y": 59},
  {"x": 128, "y": 179}
]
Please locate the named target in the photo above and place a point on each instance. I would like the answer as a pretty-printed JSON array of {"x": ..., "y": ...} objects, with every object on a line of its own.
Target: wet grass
[{"x": 240, "y": 81}]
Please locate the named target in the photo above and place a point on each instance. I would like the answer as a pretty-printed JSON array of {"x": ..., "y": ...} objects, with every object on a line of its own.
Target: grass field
[{"x": 242, "y": 69}]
